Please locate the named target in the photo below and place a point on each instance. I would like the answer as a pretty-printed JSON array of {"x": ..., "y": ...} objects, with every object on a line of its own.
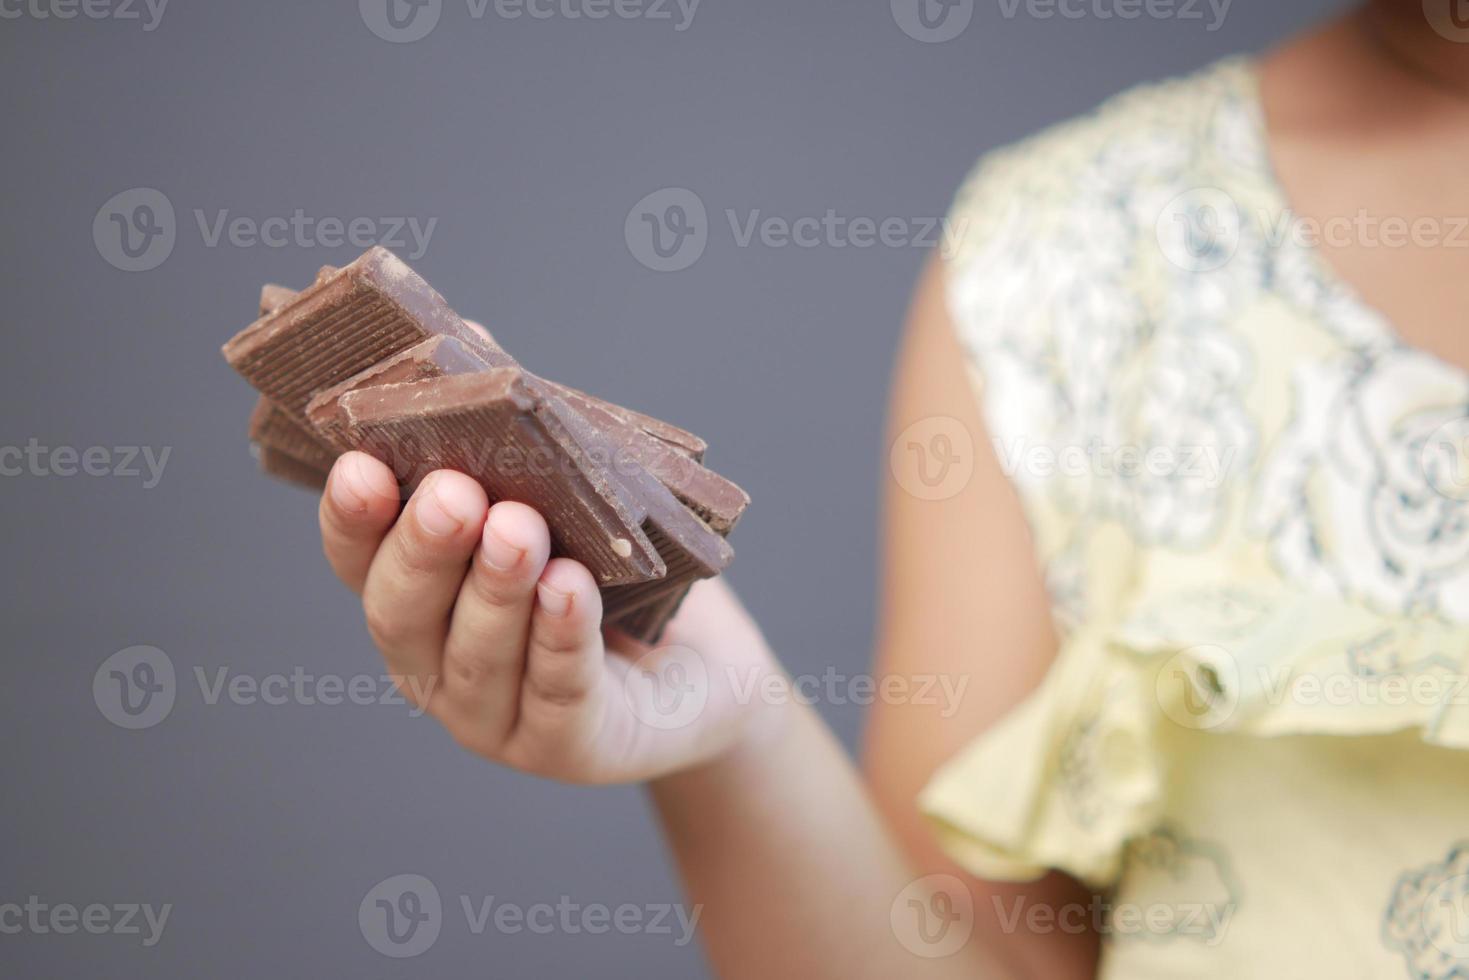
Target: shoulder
[{"x": 1072, "y": 213}]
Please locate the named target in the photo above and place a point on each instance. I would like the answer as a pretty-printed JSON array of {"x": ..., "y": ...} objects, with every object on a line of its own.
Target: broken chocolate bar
[
  {"x": 370, "y": 357},
  {"x": 348, "y": 321},
  {"x": 275, "y": 463},
  {"x": 491, "y": 426},
  {"x": 715, "y": 499}
]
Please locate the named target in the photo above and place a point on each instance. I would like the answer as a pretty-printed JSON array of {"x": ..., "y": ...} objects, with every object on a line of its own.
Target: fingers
[
  {"x": 359, "y": 505},
  {"x": 562, "y": 695},
  {"x": 416, "y": 575},
  {"x": 485, "y": 652}
]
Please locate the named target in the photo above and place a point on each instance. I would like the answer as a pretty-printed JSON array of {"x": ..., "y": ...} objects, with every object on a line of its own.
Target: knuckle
[
  {"x": 557, "y": 692},
  {"x": 387, "y": 630},
  {"x": 416, "y": 556},
  {"x": 559, "y": 640},
  {"x": 495, "y": 588},
  {"x": 469, "y": 667}
]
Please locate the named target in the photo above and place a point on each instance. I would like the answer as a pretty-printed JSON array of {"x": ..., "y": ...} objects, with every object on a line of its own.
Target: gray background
[{"x": 530, "y": 141}]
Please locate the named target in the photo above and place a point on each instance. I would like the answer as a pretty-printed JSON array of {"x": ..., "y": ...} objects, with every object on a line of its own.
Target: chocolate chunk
[
  {"x": 283, "y": 467},
  {"x": 675, "y": 438},
  {"x": 493, "y": 427},
  {"x": 370, "y": 357},
  {"x": 716, "y": 500},
  {"x": 496, "y": 356},
  {"x": 345, "y": 323},
  {"x": 432, "y": 358},
  {"x": 272, "y": 428}
]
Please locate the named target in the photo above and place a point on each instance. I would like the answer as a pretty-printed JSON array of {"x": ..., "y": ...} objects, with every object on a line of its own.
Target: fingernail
[
  {"x": 554, "y": 602},
  {"x": 436, "y": 512},
  {"x": 499, "y": 554},
  {"x": 345, "y": 493}
]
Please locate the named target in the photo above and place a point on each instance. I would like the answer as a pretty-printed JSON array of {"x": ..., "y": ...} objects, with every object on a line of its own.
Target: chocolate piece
[
  {"x": 345, "y": 323},
  {"x": 272, "y": 428},
  {"x": 496, "y": 356},
  {"x": 273, "y": 297},
  {"x": 716, "y": 500},
  {"x": 647, "y": 622},
  {"x": 675, "y": 438},
  {"x": 689, "y": 548},
  {"x": 371, "y": 357},
  {"x": 283, "y": 467},
  {"x": 492, "y": 426},
  {"x": 433, "y": 358}
]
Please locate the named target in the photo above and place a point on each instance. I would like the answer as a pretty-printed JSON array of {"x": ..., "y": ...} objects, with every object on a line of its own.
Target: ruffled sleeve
[{"x": 1081, "y": 768}]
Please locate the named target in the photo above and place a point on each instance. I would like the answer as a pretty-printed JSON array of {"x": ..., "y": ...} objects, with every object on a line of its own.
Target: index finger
[{"x": 359, "y": 505}]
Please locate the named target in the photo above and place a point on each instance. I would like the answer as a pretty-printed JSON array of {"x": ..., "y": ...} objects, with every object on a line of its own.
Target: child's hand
[{"x": 462, "y": 602}]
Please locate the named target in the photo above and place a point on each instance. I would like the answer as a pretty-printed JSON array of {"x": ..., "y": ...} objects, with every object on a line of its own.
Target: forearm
[{"x": 797, "y": 876}]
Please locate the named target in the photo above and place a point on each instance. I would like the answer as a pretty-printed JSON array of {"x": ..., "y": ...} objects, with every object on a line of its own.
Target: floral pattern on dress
[
  {"x": 1346, "y": 499},
  {"x": 1427, "y": 919}
]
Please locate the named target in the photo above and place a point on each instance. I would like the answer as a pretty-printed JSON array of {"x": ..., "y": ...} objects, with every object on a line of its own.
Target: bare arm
[
  {"x": 796, "y": 869},
  {"x": 961, "y": 597},
  {"x": 797, "y": 865}
]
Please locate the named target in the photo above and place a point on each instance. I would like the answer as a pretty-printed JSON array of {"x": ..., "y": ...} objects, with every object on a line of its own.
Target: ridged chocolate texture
[
  {"x": 716, "y": 500},
  {"x": 647, "y": 622},
  {"x": 432, "y": 358},
  {"x": 681, "y": 440},
  {"x": 493, "y": 427},
  {"x": 272, "y": 428},
  {"x": 370, "y": 357},
  {"x": 345, "y": 323},
  {"x": 275, "y": 463},
  {"x": 689, "y": 548}
]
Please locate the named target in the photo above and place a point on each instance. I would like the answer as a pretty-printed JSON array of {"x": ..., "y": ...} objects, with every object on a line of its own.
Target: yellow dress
[{"x": 1251, "y": 502}]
